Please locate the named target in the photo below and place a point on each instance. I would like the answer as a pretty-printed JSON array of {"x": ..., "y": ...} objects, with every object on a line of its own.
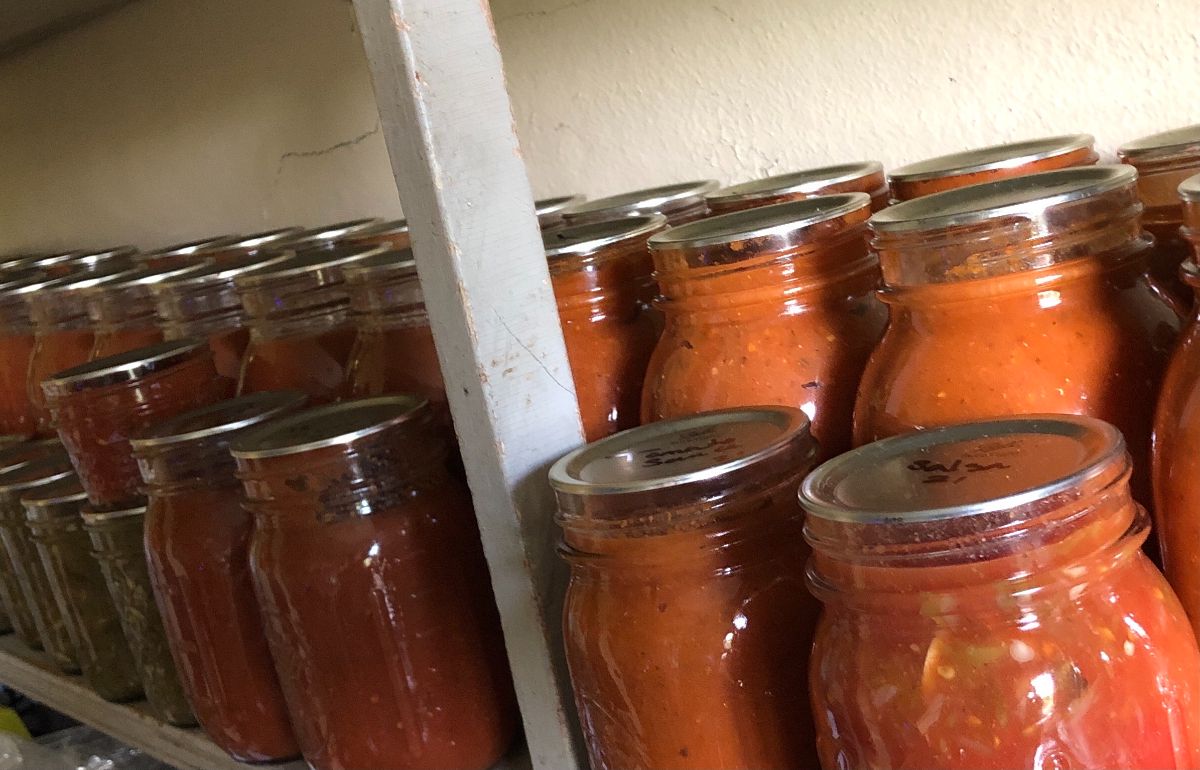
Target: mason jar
[
  {"x": 679, "y": 203},
  {"x": 865, "y": 177}
]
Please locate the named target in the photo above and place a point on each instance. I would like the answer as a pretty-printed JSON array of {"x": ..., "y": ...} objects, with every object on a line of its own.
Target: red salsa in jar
[
  {"x": 98, "y": 406},
  {"x": 679, "y": 203},
  {"x": 987, "y": 605},
  {"x": 355, "y": 509},
  {"x": 17, "y": 415},
  {"x": 866, "y": 177}
]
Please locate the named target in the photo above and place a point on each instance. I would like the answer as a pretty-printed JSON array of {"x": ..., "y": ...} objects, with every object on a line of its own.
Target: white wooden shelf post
[{"x": 448, "y": 123}]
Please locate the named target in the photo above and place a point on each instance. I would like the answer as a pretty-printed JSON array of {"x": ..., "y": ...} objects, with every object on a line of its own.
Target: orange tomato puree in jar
[
  {"x": 987, "y": 605},
  {"x": 679, "y": 203},
  {"x": 550, "y": 210},
  {"x": 329, "y": 236},
  {"x": 244, "y": 247},
  {"x": 599, "y": 272},
  {"x": 203, "y": 304},
  {"x": 1176, "y": 464},
  {"x": 1019, "y": 296},
  {"x": 393, "y": 350},
  {"x": 122, "y": 311},
  {"x": 393, "y": 234},
  {"x": 99, "y": 406},
  {"x": 374, "y": 592},
  {"x": 1163, "y": 161},
  {"x": 197, "y": 542},
  {"x": 17, "y": 415},
  {"x": 988, "y": 164},
  {"x": 686, "y": 623},
  {"x": 865, "y": 177},
  {"x": 772, "y": 305},
  {"x": 183, "y": 254},
  {"x": 298, "y": 311}
]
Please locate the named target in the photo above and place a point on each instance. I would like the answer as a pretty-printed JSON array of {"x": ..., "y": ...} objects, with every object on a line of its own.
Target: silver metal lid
[
  {"x": 584, "y": 239},
  {"x": 996, "y": 156},
  {"x": 227, "y": 270},
  {"x": 384, "y": 228},
  {"x": 676, "y": 453},
  {"x": 35, "y": 474},
  {"x": 264, "y": 238},
  {"x": 14, "y": 280},
  {"x": 652, "y": 200},
  {"x": 92, "y": 516},
  {"x": 189, "y": 248},
  {"x": 51, "y": 260},
  {"x": 100, "y": 256},
  {"x": 1023, "y": 196},
  {"x": 961, "y": 470},
  {"x": 220, "y": 418},
  {"x": 26, "y": 452},
  {"x": 392, "y": 260},
  {"x": 1179, "y": 141},
  {"x": 149, "y": 276},
  {"x": 776, "y": 221},
  {"x": 1189, "y": 189},
  {"x": 81, "y": 281},
  {"x": 65, "y": 490},
  {"x": 310, "y": 261},
  {"x": 551, "y": 206},
  {"x": 326, "y": 426},
  {"x": 124, "y": 367},
  {"x": 809, "y": 181},
  {"x": 334, "y": 232}
]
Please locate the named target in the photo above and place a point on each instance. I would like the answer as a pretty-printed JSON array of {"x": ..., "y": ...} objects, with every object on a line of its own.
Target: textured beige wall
[{"x": 172, "y": 119}]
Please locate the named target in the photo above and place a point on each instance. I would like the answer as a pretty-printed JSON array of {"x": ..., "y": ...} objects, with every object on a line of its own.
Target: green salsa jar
[
  {"x": 52, "y": 512},
  {"x": 117, "y": 538},
  {"x": 27, "y": 565}
]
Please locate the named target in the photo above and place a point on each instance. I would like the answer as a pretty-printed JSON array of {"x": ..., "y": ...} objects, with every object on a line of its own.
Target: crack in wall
[
  {"x": 351, "y": 142},
  {"x": 541, "y": 13}
]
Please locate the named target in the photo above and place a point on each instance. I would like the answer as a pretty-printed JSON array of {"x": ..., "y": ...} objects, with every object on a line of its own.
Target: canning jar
[
  {"x": 116, "y": 540},
  {"x": 183, "y": 254},
  {"x": 62, "y": 334},
  {"x": 122, "y": 311},
  {"x": 686, "y": 621},
  {"x": 865, "y": 177},
  {"x": 100, "y": 405},
  {"x": 988, "y": 164},
  {"x": 393, "y": 349},
  {"x": 52, "y": 635},
  {"x": 1163, "y": 161},
  {"x": 393, "y": 234},
  {"x": 52, "y": 514},
  {"x": 679, "y": 203},
  {"x": 329, "y": 236},
  {"x": 204, "y": 305},
  {"x": 244, "y": 246},
  {"x": 1019, "y": 296},
  {"x": 17, "y": 415},
  {"x": 197, "y": 543},
  {"x": 772, "y": 305},
  {"x": 106, "y": 260},
  {"x": 550, "y": 210},
  {"x": 356, "y": 511},
  {"x": 298, "y": 311},
  {"x": 601, "y": 273},
  {"x": 987, "y": 606}
]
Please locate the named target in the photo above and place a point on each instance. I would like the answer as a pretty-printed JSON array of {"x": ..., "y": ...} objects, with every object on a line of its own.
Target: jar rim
[
  {"x": 384, "y": 228},
  {"x": 35, "y": 474},
  {"x": 255, "y": 240},
  {"x": 664, "y": 199},
  {"x": 92, "y": 516},
  {"x": 778, "y": 220},
  {"x": 123, "y": 367},
  {"x": 44, "y": 449},
  {"x": 1027, "y": 196},
  {"x": 309, "y": 261},
  {"x": 65, "y": 490},
  {"x": 325, "y": 426},
  {"x": 226, "y": 271},
  {"x": 50, "y": 260},
  {"x": 864, "y": 485},
  {"x": 332, "y": 232},
  {"x": 992, "y": 157},
  {"x": 79, "y": 281},
  {"x": 149, "y": 276},
  {"x": 582, "y": 239},
  {"x": 249, "y": 410},
  {"x": 1165, "y": 144},
  {"x": 99, "y": 256},
  {"x": 392, "y": 260},
  {"x": 188, "y": 248},
  {"x": 811, "y": 180},
  {"x": 556, "y": 204}
]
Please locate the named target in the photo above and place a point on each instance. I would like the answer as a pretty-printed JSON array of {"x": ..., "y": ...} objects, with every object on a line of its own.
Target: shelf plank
[
  {"x": 32, "y": 673},
  {"x": 448, "y": 123}
]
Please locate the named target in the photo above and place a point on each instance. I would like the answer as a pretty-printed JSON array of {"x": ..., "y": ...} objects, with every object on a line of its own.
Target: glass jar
[
  {"x": 1176, "y": 446},
  {"x": 987, "y": 606},
  {"x": 116, "y": 541},
  {"x": 298, "y": 311},
  {"x": 686, "y": 623},
  {"x": 393, "y": 234},
  {"x": 122, "y": 311},
  {"x": 393, "y": 349},
  {"x": 58, "y": 265},
  {"x": 22, "y": 556},
  {"x": 329, "y": 236},
  {"x": 243, "y": 247},
  {"x": 56, "y": 528},
  {"x": 600, "y": 274},
  {"x": 183, "y": 254},
  {"x": 106, "y": 260},
  {"x": 204, "y": 305},
  {"x": 550, "y": 210},
  {"x": 356, "y": 510},
  {"x": 17, "y": 613},
  {"x": 772, "y": 305},
  {"x": 1020, "y": 296},
  {"x": 989, "y": 164},
  {"x": 866, "y": 177},
  {"x": 679, "y": 203},
  {"x": 17, "y": 415},
  {"x": 1163, "y": 161},
  {"x": 100, "y": 405},
  {"x": 197, "y": 544},
  {"x": 62, "y": 335}
]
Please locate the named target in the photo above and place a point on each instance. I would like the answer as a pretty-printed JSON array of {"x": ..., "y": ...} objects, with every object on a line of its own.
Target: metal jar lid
[
  {"x": 1168, "y": 144},
  {"x": 722, "y": 445},
  {"x": 384, "y": 263},
  {"x": 394, "y": 226},
  {"x": 666, "y": 200},
  {"x": 26, "y": 452},
  {"x": 578, "y": 240},
  {"x": 962, "y": 470},
  {"x": 188, "y": 249},
  {"x": 550, "y": 210},
  {"x": 997, "y": 156},
  {"x": 225, "y": 271},
  {"x": 102, "y": 258},
  {"x": 808, "y": 182},
  {"x": 62, "y": 498},
  {"x": 327, "y": 265},
  {"x": 35, "y": 474},
  {"x": 256, "y": 241},
  {"x": 91, "y": 516},
  {"x": 326, "y": 426},
  {"x": 221, "y": 418},
  {"x": 1189, "y": 189},
  {"x": 83, "y": 281},
  {"x": 53, "y": 260},
  {"x": 124, "y": 367},
  {"x": 1022, "y": 197},
  {"x": 325, "y": 234},
  {"x": 151, "y": 276}
]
